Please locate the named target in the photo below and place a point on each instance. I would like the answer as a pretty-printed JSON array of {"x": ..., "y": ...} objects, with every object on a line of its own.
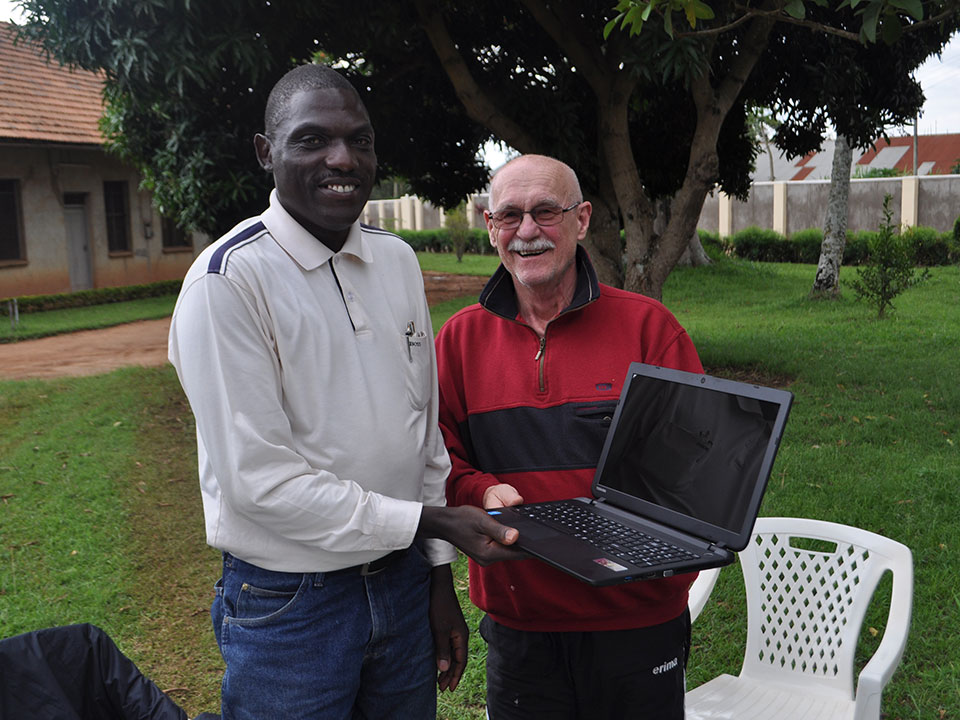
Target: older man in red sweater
[{"x": 529, "y": 379}]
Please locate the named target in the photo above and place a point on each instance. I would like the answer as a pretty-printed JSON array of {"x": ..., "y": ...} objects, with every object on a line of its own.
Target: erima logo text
[{"x": 669, "y": 665}]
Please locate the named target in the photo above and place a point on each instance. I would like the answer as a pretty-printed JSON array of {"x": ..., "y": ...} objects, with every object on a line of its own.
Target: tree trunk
[
  {"x": 603, "y": 242},
  {"x": 694, "y": 255},
  {"x": 647, "y": 257},
  {"x": 713, "y": 103},
  {"x": 636, "y": 210},
  {"x": 827, "y": 281}
]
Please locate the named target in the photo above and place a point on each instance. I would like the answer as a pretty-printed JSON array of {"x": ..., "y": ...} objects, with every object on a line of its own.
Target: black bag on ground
[{"x": 76, "y": 672}]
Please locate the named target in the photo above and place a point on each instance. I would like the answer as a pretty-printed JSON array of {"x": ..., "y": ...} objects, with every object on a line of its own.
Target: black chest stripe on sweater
[{"x": 526, "y": 439}]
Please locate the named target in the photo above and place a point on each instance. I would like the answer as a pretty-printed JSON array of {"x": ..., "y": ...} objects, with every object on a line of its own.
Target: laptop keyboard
[{"x": 610, "y": 536}]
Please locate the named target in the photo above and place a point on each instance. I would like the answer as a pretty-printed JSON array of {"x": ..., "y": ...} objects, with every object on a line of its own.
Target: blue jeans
[{"x": 326, "y": 645}]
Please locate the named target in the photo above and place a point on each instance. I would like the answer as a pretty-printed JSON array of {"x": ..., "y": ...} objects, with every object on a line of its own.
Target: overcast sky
[{"x": 939, "y": 78}]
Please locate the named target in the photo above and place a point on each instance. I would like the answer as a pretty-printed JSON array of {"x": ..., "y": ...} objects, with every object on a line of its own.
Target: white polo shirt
[{"x": 312, "y": 376}]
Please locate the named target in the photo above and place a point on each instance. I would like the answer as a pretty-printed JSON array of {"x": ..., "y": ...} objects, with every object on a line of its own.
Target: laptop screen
[{"x": 692, "y": 450}]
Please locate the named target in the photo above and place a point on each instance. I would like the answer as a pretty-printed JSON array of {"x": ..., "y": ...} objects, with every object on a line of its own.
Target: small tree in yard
[
  {"x": 889, "y": 270},
  {"x": 456, "y": 224}
]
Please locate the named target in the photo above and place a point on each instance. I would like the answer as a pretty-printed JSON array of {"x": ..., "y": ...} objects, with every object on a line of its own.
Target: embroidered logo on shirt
[{"x": 666, "y": 667}]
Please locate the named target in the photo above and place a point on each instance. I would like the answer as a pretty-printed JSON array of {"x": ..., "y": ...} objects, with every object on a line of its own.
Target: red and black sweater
[{"x": 534, "y": 414}]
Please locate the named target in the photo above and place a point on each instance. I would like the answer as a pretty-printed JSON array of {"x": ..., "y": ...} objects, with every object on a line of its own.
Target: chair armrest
[
  {"x": 700, "y": 591},
  {"x": 880, "y": 668}
]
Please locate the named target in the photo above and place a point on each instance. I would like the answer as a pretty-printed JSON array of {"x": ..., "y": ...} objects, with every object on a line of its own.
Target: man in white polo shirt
[{"x": 304, "y": 345}]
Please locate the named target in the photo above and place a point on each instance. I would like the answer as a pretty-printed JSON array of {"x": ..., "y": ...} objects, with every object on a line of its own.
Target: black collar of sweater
[{"x": 500, "y": 297}]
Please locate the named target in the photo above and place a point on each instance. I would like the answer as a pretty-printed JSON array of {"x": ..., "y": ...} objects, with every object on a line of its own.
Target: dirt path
[{"x": 91, "y": 352}]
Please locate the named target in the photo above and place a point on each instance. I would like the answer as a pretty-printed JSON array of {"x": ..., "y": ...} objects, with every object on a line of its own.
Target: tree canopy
[{"x": 652, "y": 115}]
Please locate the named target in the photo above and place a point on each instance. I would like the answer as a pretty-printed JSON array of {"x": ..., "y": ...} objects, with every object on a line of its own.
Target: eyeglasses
[{"x": 544, "y": 216}]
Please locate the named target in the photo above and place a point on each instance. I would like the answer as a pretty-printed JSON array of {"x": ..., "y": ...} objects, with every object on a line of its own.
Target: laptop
[{"x": 678, "y": 487}]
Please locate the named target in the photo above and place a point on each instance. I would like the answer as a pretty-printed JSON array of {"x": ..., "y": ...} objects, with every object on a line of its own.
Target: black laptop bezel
[{"x": 719, "y": 536}]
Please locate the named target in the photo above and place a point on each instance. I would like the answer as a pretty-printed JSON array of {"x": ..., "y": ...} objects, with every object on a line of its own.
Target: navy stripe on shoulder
[
  {"x": 218, "y": 262},
  {"x": 377, "y": 231}
]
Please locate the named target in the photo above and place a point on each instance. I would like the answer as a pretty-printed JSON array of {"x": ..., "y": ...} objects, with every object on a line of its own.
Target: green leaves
[
  {"x": 914, "y": 8},
  {"x": 883, "y": 19},
  {"x": 795, "y": 9},
  {"x": 632, "y": 14},
  {"x": 889, "y": 270}
]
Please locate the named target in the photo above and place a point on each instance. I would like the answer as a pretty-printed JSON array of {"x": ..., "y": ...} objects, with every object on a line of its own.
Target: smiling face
[
  {"x": 539, "y": 258},
  {"x": 323, "y": 162}
]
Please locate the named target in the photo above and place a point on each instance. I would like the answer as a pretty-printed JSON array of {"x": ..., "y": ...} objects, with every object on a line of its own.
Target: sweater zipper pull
[{"x": 543, "y": 341}]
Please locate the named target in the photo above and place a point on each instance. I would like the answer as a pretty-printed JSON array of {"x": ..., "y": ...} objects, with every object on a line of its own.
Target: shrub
[
  {"x": 100, "y": 296},
  {"x": 804, "y": 245},
  {"x": 890, "y": 269},
  {"x": 857, "y": 248},
  {"x": 459, "y": 232},
  {"x": 929, "y": 246},
  {"x": 759, "y": 244},
  {"x": 439, "y": 240},
  {"x": 714, "y": 246},
  {"x": 423, "y": 240}
]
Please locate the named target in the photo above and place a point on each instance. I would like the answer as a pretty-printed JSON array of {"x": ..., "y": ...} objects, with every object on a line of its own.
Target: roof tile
[{"x": 43, "y": 101}]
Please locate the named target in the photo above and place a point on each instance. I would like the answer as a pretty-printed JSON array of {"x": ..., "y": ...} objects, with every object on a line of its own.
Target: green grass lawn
[
  {"x": 94, "y": 317},
  {"x": 54, "y": 322},
  {"x": 468, "y": 265},
  {"x": 100, "y": 517}
]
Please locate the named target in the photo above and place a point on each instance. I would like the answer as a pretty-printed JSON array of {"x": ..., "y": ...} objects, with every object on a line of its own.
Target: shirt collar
[
  {"x": 500, "y": 297},
  {"x": 301, "y": 245}
]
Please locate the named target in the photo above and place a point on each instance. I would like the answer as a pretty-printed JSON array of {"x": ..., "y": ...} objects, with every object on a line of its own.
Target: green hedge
[
  {"x": 930, "y": 247},
  {"x": 439, "y": 241},
  {"x": 759, "y": 244},
  {"x": 100, "y": 296},
  {"x": 421, "y": 240},
  {"x": 753, "y": 243}
]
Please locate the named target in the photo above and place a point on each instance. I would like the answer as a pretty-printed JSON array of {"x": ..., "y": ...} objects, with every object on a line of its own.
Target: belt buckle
[{"x": 365, "y": 570}]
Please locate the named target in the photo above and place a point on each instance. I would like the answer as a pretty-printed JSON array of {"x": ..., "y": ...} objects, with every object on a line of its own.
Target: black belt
[{"x": 374, "y": 566}]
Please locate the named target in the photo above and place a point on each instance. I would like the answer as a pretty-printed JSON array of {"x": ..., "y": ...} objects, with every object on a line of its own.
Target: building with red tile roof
[
  {"x": 936, "y": 155},
  {"x": 43, "y": 102},
  {"x": 72, "y": 216}
]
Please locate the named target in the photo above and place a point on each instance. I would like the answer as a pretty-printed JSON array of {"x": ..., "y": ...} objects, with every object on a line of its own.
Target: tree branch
[
  {"x": 780, "y": 16},
  {"x": 748, "y": 54},
  {"x": 566, "y": 32},
  {"x": 819, "y": 27},
  {"x": 479, "y": 105}
]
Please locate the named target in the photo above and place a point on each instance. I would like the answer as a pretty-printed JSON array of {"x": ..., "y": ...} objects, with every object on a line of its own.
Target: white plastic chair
[
  {"x": 700, "y": 591},
  {"x": 805, "y": 609}
]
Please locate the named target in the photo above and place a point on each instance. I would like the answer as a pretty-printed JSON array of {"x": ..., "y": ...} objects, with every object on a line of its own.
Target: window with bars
[
  {"x": 117, "y": 208},
  {"x": 174, "y": 236},
  {"x": 11, "y": 234}
]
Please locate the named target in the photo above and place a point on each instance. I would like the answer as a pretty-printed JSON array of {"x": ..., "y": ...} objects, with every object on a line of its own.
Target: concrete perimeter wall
[
  {"x": 929, "y": 200},
  {"x": 412, "y": 213}
]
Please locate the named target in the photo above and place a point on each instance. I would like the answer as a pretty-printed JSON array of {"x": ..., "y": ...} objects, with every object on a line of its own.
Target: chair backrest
[{"x": 806, "y": 601}]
